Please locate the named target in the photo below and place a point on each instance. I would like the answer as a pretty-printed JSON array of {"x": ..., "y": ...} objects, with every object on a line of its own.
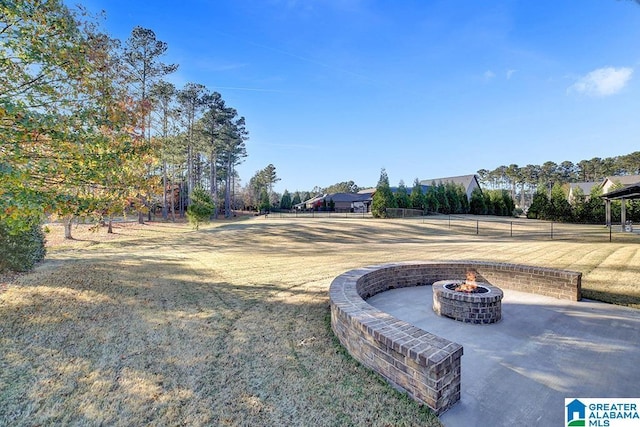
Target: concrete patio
[{"x": 520, "y": 370}]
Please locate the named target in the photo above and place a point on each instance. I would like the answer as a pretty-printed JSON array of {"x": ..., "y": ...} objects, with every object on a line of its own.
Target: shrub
[
  {"x": 200, "y": 209},
  {"x": 21, "y": 250}
]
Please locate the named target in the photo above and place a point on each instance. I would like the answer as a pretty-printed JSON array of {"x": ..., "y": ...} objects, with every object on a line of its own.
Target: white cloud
[
  {"x": 489, "y": 74},
  {"x": 603, "y": 81},
  {"x": 510, "y": 73}
]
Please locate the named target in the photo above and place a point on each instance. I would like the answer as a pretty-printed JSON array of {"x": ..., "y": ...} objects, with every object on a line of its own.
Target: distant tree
[
  {"x": 270, "y": 176},
  {"x": 530, "y": 176},
  {"x": 265, "y": 203},
  {"x": 212, "y": 129},
  {"x": 417, "y": 197},
  {"x": 558, "y": 208},
  {"x": 483, "y": 177},
  {"x": 630, "y": 163},
  {"x": 342, "y": 187},
  {"x": 163, "y": 95},
  {"x": 453, "y": 197},
  {"x": 141, "y": 55},
  {"x": 201, "y": 208},
  {"x": 264, "y": 180},
  {"x": 402, "y": 196},
  {"x": 274, "y": 199},
  {"x": 296, "y": 198},
  {"x": 512, "y": 174},
  {"x": 477, "y": 205},
  {"x": 233, "y": 150},
  {"x": 191, "y": 100},
  {"x": 464, "y": 201},
  {"x": 549, "y": 174},
  {"x": 509, "y": 203},
  {"x": 539, "y": 206},
  {"x": 285, "y": 201},
  {"x": 488, "y": 202},
  {"x": 441, "y": 196},
  {"x": 431, "y": 203},
  {"x": 383, "y": 198},
  {"x": 567, "y": 171}
]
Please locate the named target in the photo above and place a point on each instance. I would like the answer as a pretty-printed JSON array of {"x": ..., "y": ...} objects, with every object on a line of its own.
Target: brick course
[{"x": 426, "y": 366}]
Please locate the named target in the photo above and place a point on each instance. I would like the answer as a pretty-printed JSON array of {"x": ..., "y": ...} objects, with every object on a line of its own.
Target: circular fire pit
[{"x": 479, "y": 303}]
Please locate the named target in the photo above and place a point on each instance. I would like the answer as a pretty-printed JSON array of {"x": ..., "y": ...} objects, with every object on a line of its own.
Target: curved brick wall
[{"x": 423, "y": 364}]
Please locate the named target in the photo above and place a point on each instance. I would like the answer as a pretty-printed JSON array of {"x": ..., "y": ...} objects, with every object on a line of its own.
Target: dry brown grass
[{"x": 161, "y": 325}]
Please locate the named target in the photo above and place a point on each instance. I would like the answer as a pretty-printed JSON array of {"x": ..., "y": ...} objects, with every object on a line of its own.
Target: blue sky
[{"x": 335, "y": 90}]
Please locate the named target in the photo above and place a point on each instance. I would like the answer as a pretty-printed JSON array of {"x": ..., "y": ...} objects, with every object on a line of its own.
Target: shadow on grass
[{"x": 100, "y": 342}]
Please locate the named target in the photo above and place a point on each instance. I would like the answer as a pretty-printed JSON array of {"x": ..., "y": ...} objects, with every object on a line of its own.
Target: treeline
[
  {"x": 90, "y": 128},
  {"x": 522, "y": 181},
  {"x": 581, "y": 208},
  {"x": 443, "y": 198}
]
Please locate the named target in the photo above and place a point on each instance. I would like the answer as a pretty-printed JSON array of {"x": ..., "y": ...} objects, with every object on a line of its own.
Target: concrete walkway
[{"x": 520, "y": 370}]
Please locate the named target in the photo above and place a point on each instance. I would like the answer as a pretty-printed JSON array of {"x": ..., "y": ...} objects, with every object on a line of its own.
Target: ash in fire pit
[{"x": 468, "y": 301}]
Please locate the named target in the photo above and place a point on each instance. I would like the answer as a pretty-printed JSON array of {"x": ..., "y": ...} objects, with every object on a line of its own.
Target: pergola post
[{"x": 631, "y": 192}]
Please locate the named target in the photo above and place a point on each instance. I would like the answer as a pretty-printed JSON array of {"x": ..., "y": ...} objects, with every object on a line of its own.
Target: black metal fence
[{"x": 498, "y": 227}]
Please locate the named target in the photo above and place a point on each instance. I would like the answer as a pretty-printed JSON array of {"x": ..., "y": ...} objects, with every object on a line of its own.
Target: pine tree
[
  {"x": 383, "y": 198},
  {"x": 402, "y": 196},
  {"x": 416, "y": 197},
  {"x": 477, "y": 205},
  {"x": 285, "y": 201}
]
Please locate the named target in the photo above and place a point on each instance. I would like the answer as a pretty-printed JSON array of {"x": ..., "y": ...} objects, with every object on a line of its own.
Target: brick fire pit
[{"x": 484, "y": 306}]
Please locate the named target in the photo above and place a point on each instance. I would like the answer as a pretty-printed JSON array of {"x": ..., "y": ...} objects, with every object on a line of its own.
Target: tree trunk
[
  {"x": 67, "y": 227},
  {"x": 110, "y": 225},
  {"x": 214, "y": 183},
  {"x": 173, "y": 204},
  {"x": 164, "y": 189},
  {"x": 227, "y": 192}
]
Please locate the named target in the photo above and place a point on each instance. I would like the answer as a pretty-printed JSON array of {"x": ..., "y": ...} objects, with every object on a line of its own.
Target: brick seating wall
[{"x": 423, "y": 364}]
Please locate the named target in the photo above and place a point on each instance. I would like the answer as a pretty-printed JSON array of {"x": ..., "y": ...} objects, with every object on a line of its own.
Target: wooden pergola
[{"x": 630, "y": 192}]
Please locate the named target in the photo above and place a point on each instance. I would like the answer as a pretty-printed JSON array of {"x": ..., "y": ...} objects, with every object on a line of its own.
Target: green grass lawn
[{"x": 162, "y": 325}]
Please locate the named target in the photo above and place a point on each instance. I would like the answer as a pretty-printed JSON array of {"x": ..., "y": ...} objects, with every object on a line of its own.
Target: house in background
[
  {"x": 342, "y": 202},
  {"x": 606, "y": 185},
  {"x": 468, "y": 182},
  {"x": 361, "y": 201},
  {"x": 581, "y": 187},
  {"x": 350, "y": 202},
  {"x": 625, "y": 180}
]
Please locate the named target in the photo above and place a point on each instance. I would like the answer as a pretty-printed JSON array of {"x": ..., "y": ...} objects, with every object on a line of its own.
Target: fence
[
  {"x": 404, "y": 213},
  {"x": 498, "y": 227},
  {"x": 519, "y": 227},
  {"x": 319, "y": 214}
]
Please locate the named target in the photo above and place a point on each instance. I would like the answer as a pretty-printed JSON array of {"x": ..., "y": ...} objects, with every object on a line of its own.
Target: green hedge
[{"x": 22, "y": 250}]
